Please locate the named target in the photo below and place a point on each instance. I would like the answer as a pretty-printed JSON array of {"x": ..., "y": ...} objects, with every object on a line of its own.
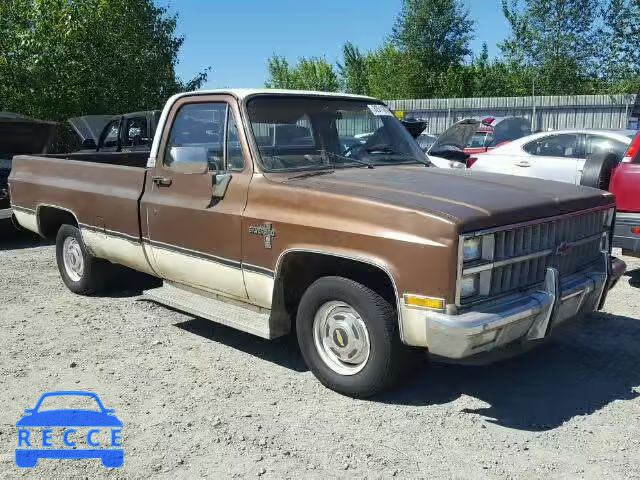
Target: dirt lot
[{"x": 198, "y": 399}]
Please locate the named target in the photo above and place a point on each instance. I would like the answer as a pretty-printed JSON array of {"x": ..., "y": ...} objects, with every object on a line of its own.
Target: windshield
[{"x": 303, "y": 133}]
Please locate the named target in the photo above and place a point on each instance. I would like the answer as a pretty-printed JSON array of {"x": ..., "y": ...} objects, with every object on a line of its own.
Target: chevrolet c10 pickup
[{"x": 258, "y": 215}]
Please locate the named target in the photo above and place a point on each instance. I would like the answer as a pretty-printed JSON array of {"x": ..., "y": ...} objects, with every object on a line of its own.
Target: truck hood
[
  {"x": 473, "y": 200},
  {"x": 89, "y": 127}
]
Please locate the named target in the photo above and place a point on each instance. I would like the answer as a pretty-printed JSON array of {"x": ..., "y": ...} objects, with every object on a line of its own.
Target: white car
[{"x": 556, "y": 155}]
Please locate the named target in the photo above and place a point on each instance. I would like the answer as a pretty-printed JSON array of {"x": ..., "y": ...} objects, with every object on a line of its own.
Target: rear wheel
[
  {"x": 348, "y": 337},
  {"x": 597, "y": 170},
  {"x": 81, "y": 272}
]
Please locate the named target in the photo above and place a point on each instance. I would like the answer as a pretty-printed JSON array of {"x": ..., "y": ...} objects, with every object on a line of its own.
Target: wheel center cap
[{"x": 340, "y": 337}]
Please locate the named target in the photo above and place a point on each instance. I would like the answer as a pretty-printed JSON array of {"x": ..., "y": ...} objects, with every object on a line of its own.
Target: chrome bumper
[{"x": 520, "y": 318}]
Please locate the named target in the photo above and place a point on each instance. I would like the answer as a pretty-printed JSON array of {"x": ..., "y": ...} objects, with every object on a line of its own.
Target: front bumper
[
  {"x": 623, "y": 237},
  {"x": 519, "y": 319}
]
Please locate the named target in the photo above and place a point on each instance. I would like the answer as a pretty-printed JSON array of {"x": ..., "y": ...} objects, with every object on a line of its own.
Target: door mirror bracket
[{"x": 220, "y": 184}]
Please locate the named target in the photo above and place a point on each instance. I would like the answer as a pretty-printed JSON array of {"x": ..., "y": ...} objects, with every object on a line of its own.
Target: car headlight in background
[
  {"x": 472, "y": 249},
  {"x": 469, "y": 285}
]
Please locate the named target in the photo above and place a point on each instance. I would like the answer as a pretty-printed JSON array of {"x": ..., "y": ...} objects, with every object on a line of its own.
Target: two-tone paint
[{"x": 403, "y": 220}]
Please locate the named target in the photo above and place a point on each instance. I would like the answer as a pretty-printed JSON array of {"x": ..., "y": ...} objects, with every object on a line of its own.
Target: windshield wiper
[
  {"x": 386, "y": 149},
  {"x": 313, "y": 174},
  {"x": 351, "y": 159}
]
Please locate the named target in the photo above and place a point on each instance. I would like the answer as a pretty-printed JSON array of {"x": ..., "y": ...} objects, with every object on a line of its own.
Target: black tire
[
  {"x": 96, "y": 272},
  {"x": 597, "y": 170},
  {"x": 387, "y": 353}
]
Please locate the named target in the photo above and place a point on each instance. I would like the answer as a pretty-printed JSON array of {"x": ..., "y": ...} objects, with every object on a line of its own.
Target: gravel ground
[{"x": 198, "y": 399}]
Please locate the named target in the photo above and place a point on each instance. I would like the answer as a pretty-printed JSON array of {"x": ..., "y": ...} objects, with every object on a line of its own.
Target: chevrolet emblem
[{"x": 564, "y": 249}]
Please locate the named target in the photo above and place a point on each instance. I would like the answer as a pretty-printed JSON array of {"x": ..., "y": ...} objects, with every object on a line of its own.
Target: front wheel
[
  {"x": 348, "y": 337},
  {"x": 81, "y": 272}
]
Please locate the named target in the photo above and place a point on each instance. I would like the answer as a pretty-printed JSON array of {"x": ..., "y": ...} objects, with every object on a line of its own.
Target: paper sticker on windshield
[{"x": 380, "y": 110}]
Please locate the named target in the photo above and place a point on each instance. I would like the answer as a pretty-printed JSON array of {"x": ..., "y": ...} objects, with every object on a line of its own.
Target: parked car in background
[
  {"x": 494, "y": 132},
  {"x": 19, "y": 135},
  {"x": 573, "y": 156},
  {"x": 448, "y": 149},
  {"x": 426, "y": 140},
  {"x": 625, "y": 185},
  {"x": 116, "y": 133},
  {"x": 454, "y": 148}
]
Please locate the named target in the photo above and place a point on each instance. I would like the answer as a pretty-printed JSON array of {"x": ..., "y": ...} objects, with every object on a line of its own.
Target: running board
[{"x": 249, "y": 318}]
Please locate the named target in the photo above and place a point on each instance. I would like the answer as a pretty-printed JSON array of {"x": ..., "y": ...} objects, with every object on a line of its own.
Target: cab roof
[{"x": 242, "y": 93}]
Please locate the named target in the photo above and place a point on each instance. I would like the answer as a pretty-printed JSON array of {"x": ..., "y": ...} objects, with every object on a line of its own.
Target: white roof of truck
[{"x": 246, "y": 92}]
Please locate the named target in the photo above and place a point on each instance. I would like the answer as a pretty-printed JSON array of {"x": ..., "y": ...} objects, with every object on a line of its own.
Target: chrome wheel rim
[
  {"x": 73, "y": 259},
  {"x": 341, "y": 338}
]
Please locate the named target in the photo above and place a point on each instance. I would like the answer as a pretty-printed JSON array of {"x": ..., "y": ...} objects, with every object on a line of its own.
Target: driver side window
[{"x": 200, "y": 128}]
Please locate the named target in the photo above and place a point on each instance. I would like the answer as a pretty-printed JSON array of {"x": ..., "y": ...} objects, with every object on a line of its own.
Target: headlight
[
  {"x": 454, "y": 164},
  {"x": 472, "y": 249},
  {"x": 469, "y": 285}
]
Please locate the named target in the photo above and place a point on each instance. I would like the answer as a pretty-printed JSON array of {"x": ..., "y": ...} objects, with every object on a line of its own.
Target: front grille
[{"x": 579, "y": 233}]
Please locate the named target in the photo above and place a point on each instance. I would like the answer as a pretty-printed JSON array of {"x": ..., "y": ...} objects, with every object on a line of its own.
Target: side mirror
[
  {"x": 88, "y": 144},
  {"x": 188, "y": 159}
]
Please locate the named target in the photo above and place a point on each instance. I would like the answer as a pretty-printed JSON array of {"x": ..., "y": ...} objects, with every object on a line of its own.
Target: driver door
[{"x": 193, "y": 236}]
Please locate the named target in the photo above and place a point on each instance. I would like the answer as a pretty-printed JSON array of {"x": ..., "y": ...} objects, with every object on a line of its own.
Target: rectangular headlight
[
  {"x": 472, "y": 249},
  {"x": 469, "y": 285}
]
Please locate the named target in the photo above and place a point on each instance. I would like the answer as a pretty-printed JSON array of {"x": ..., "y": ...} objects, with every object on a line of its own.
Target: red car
[
  {"x": 495, "y": 131},
  {"x": 625, "y": 185}
]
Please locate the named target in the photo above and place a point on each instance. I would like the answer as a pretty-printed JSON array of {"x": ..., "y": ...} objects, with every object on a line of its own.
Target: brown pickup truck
[{"x": 258, "y": 215}]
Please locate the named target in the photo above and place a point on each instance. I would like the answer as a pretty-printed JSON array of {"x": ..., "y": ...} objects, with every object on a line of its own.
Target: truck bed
[
  {"x": 103, "y": 195},
  {"x": 125, "y": 159}
]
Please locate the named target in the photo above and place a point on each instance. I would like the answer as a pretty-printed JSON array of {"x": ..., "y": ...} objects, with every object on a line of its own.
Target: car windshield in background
[{"x": 303, "y": 133}]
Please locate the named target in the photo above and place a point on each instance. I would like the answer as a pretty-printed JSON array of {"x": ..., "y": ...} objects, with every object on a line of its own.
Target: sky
[{"x": 236, "y": 37}]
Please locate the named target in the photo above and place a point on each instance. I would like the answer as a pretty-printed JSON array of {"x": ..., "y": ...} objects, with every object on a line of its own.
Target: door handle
[
  {"x": 161, "y": 181},
  {"x": 523, "y": 164}
]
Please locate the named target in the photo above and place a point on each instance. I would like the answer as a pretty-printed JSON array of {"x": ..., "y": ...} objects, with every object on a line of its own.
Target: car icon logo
[{"x": 100, "y": 428}]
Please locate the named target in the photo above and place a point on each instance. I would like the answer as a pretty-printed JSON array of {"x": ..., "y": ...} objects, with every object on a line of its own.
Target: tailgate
[{"x": 101, "y": 196}]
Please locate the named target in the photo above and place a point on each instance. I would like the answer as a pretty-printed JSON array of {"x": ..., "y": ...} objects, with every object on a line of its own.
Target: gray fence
[{"x": 578, "y": 111}]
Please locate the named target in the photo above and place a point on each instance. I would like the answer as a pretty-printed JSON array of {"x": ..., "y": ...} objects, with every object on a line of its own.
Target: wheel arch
[
  {"x": 51, "y": 217},
  {"x": 305, "y": 265}
]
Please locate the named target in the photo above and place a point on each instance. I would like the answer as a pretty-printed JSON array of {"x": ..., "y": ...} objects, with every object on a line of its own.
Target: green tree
[
  {"x": 555, "y": 40},
  {"x": 353, "y": 70},
  {"x": 60, "y": 58},
  {"x": 437, "y": 34},
  {"x": 618, "y": 54},
  {"x": 311, "y": 73},
  {"x": 392, "y": 73}
]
